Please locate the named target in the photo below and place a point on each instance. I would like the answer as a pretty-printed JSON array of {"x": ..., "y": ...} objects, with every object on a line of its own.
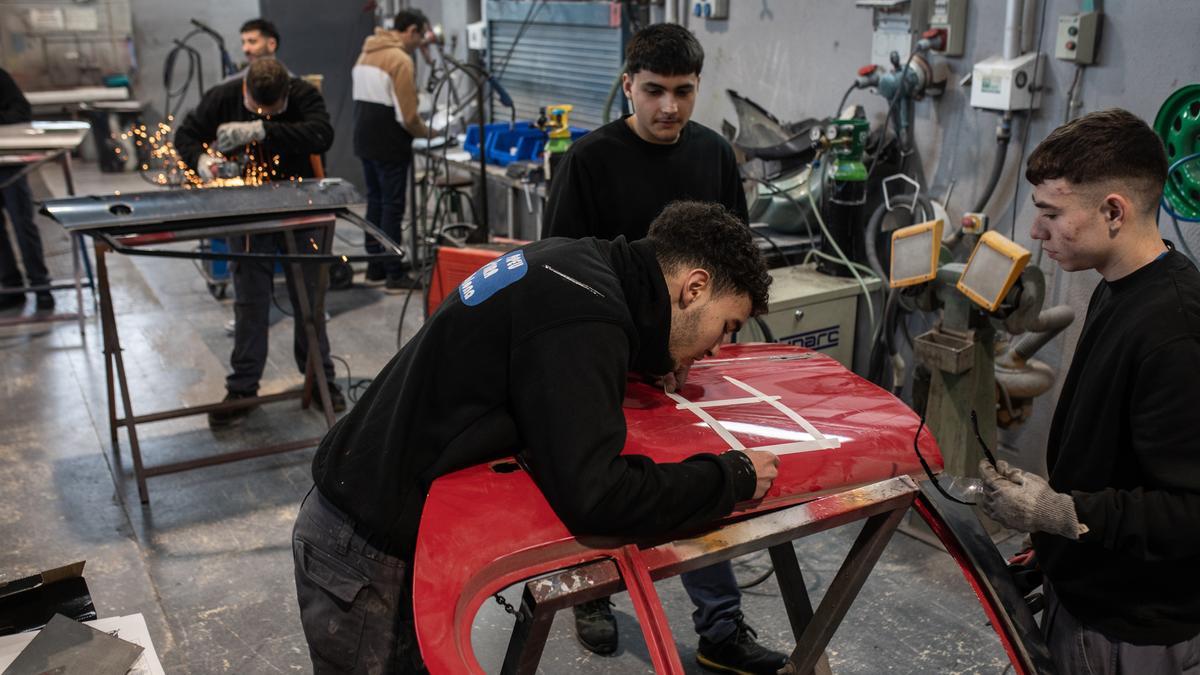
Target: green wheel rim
[{"x": 1178, "y": 125}]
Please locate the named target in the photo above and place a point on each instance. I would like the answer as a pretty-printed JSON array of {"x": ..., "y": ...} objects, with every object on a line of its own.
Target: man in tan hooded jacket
[{"x": 385, "y": 124}]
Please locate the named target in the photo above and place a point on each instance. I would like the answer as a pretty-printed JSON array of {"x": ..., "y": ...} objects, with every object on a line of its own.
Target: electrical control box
[
  {"x": 477, "y": 35},
  {"x": 1007, "y": 84},
  {"x": 1077, "y": 37},
  {"x": 897, "y": 25},
  {"x": 950, "y": 16},
  {"x": 710, "y": 9}
]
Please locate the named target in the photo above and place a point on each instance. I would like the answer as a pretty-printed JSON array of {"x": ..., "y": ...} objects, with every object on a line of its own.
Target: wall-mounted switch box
[
  {"x": 950, "y": 16},
  {"x": 710, "y": 9},
  {"x": 1077, "y": 37}
]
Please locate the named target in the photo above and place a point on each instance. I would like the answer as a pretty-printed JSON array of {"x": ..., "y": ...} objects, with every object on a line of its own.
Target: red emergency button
[{"x": 866, "y": 70}]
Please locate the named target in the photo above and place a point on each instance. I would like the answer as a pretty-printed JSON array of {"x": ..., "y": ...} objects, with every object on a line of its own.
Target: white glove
[
  {"x": 1025, "y": 501},
  {"x": 207, "y": 166},
  {"x": 235, "y": 134}
]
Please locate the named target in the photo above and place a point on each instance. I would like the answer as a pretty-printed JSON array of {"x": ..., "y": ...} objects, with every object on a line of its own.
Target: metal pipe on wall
[
  {"x": 1029, "y": 33},
  {"x": 1014, "y": 22}
]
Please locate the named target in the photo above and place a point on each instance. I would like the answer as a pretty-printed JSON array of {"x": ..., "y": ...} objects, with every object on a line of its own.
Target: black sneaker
[
  {"x": 400, "y": 283},
  {"x": 596, "y": 627},
  {"x": 45, "y": 301},
  {"x": 336, "y": 398},
  {"x": 376, "y": 272},
  {"x": 11, "y": 300},
  {"x": 223, "y": 419},
  {"x": 739, "y": 653}
]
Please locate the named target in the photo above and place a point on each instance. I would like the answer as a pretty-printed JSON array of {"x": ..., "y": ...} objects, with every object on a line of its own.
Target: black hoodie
[
  {"x": 300, "y": 131},
  {"x": 529, "y": 357}
]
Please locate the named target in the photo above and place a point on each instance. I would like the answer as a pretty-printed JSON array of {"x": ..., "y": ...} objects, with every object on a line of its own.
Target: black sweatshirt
[
  {"x": 612, "y": 182},
  {"x": 13, "y": 106},
  {"x": 530, "y": 357},
  {"x": 302, "y": 130},
  {"x": 1124, "y": 444}
]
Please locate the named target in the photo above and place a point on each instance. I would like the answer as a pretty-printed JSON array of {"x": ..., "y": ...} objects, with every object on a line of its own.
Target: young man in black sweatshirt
[
  {"x": 1116, "y": 529},
  {"x": 613, "y": 182},
  {"x": 542, "y": 339},
  {"x": 266, "y": 125}
]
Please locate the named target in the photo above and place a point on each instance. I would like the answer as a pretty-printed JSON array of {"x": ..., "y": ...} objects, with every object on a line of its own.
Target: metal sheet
[
  {"x": 26, "y": 137},
  {"x": 137, "y": 211}
]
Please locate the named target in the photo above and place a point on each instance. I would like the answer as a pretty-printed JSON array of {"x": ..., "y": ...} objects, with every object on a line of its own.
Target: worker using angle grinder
[
  {"x": 613, "y": 182},
  {"x": 267, "y": 127}
]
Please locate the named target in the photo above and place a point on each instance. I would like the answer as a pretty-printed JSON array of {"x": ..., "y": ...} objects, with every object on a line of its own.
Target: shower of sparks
[{"x": 166, "y": 167}]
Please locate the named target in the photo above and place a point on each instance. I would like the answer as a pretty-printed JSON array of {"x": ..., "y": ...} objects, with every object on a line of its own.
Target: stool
[{"x": 452, "y": 189}]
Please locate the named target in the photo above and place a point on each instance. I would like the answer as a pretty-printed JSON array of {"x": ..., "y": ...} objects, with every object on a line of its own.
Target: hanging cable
[
  {"x": 844, "y": 258},
  {"x": 929, "y": 472}
]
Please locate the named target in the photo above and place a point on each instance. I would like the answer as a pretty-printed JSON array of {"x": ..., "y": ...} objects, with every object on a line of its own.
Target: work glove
[
  {"x": 231, "y": 135},
  {"x": 1025, "y": 501},
  {"x": 208, "y": 167}
]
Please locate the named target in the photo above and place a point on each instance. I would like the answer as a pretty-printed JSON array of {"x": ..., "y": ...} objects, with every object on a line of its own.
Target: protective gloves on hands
[
  {"x": 1025, "y": 501},
  {"x": 208, "y": 166},
  {"x": 234, "y": 134}
]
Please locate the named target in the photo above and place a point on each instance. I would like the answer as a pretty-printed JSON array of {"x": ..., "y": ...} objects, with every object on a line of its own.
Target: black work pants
[
  {"x": 387, "y": 185},
  {"x": 18, "y": 203},
  {"x": 355, "y": 601},
  {"x": 253, "y": 286}
]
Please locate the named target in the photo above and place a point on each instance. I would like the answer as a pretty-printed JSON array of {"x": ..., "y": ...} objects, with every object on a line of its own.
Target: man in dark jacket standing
[
  {"x": 546, "y": 336},
  {"x": 266, "y": 126},
  {"x": 613, "y": 182},
  {"x": 385, "y": 123},
  {"x": 1116, "y": 529},
  {"x": 18, "y": 202}
]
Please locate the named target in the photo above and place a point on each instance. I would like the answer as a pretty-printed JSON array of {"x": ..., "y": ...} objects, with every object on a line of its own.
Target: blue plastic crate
[
  {"x": 522, "y": 142},
  {"x": 471, "y": 143},
  {"x": 507, "y": 144}
]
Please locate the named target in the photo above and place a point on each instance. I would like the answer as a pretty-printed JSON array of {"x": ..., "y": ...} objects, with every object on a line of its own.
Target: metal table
[
  {"x": 30, "y": 145},
  {"x": 847, "y": 456},
  {"x": 131, "y": 224}
]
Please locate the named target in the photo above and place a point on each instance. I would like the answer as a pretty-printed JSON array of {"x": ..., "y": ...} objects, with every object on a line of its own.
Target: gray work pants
[
  {"x": 1076, "y": 648},
  {"x": 253, "y": 286},
  {"x": 355, "y": 601}
]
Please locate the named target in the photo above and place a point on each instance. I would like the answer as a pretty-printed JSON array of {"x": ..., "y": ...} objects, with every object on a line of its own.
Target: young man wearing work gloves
[
  {"x": 266, "y": 126},
  {"x": 1116, "y": 529}
]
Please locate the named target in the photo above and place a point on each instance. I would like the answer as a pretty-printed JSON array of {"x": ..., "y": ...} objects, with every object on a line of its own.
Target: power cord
[
  {"x": 354, "y": 388},
  {"x": 844, "y": 258}
]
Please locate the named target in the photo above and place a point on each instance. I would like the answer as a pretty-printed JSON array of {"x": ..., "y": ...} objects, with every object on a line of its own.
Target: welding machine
[{"x": 452, "y": 265}]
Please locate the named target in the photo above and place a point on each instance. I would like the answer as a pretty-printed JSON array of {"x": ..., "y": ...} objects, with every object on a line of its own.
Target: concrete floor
[{"x": 209, "y": 563}]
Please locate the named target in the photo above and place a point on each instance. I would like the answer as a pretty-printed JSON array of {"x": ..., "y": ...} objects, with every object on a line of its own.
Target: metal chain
[{"x": 504, "y": 603}]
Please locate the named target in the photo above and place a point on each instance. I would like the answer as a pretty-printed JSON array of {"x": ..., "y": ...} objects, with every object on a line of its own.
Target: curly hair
[
  {"x": 665, "y": 49},
  {"x": 1107, "y": 145},
  {"x": 708, "y": 236}
]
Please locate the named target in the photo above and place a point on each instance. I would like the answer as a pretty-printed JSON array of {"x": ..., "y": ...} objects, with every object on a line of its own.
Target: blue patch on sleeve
[{"x": 489, "y": 279}]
